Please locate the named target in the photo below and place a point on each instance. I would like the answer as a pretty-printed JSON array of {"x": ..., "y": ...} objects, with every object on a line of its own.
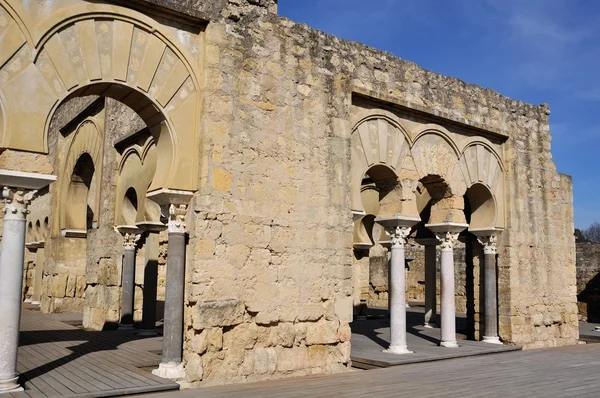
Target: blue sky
[{"x": 532, "y": 50}]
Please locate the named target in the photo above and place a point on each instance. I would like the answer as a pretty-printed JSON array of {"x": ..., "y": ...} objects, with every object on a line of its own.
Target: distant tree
[
  {"x": 592, "y": 233},
  {"x": 579, "y": 238}
]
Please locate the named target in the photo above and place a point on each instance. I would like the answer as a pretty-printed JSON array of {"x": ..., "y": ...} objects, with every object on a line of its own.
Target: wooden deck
[
  {"x": 57, "y": 358},
  {"x": 370, "y": 337},
  {"x": 557, "y": 372}
]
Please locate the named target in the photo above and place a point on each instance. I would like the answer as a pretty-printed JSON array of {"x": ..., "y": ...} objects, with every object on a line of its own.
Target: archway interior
[
  {"x": 130, "y": 207},
  {"x": 378, "y": 199},
  {"x": 79, "y": 211}
]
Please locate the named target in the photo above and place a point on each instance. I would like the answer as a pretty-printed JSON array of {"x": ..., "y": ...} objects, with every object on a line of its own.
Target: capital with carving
[
  {"x": 16, "y": 202},
  {"x": 488, "y": 243},
  {"x": 398, "y": 235},
  {"x": 448, "y": 239},
  {"x": 130, "y": 240},
  {"x": 176, "y": 221},
  {"x": 447, "y": 233}
]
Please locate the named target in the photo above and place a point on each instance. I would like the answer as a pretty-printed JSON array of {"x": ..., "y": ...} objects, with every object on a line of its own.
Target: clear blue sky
[{"x": 532, "y": 50}]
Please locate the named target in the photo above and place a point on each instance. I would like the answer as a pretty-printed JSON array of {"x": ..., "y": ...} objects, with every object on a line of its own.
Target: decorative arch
[
  {"x": 136, "y": 170},
  {"x": 115, "y": 52},
  {"x": 434, "y": 152},
  {"x": 482, "y": 167},
  {"x": 377, "y": 140},
  {"x": 88, "y": 139}
]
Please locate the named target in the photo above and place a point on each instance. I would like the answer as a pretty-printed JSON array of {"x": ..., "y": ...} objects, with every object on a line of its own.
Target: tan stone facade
[{"x": 274, "y": 146}]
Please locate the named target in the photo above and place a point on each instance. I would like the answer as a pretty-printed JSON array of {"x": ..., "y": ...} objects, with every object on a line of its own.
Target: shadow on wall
[{"x": 588, "y": 300}]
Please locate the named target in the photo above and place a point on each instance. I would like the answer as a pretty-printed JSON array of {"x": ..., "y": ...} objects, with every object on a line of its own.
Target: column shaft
[
  {"x": 11, "y": 285},
  {"x": 448, "y": 310},
  {"x": 491, "y": 299},
  {"x": 174, "y": 295},
  {"x": 128, "y": 286},
  {"x": 430, "y": 285},
  {"x": 398, "y": 301},
  {"x": 150, "y": 283}
]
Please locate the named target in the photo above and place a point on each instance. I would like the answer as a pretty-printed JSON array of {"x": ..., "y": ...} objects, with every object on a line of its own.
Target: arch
[
  {"x": 434, "y": 152},
  {"x": 88, "y": 140},
  {"x": 377, "y": 140},
  {"x": 119, "y": 53},
  {"x": 78, "y": 216},
  {"x": 136, "y": 170},
  {"x": 480, "y": 207},
  {"x": 480, "y": 164},
  {"x": 129, "y": 209}
]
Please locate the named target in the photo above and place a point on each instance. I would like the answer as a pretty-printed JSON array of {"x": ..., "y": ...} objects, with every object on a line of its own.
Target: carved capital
[
  {"x": 398, "y": 235},
  {"x": 448, "y": 239},
  {"x": 176, "y": 222},
  {"x": 16, "y": 201},
  {"x": 130, "y": 240},
  {"x": 488, "y": 243}
]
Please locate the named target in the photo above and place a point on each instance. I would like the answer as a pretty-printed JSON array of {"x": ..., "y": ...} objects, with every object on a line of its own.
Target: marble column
[
  {"x": 171, "y": 366},
  {"x": 447, "y": 233},
  {"x": 488, "y": 239},
  {"x": 130, "y": 237},
  {"x": 430, "y": 281},
  {"x": 398, "y": 228}
]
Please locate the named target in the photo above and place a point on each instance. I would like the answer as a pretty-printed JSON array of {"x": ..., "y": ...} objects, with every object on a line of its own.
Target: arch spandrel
[
  {"x": 480, "y": 164},
  {"x": 98, "y": 45},
  {"x": 376, "y": 140},
  {"x": 435, "y": 154}
]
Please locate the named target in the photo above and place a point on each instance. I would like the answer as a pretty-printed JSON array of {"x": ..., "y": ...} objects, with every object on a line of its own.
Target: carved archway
[
  {"x": 483, "y": 173},
  {"x": 104, "y": 50}
]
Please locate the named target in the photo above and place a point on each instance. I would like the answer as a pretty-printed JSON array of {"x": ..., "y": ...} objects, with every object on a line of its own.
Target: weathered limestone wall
[{"x": 588, "y": 281}]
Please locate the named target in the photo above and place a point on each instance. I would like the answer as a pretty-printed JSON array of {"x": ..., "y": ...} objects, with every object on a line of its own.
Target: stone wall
[{"x": 588, "y": 281}]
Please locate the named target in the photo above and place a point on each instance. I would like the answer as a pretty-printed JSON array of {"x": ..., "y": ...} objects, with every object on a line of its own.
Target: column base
[
  {"x": 398, "y": 349},
  {"x": 125, "y": 326},
  {"x": 596, "y": 328},
  {"x": 449, "y": 344},
  {"x": 28, "y": 300},
  {"x": 170, "y": 370},
  {"x": 491, "y": 339},
  {"x": 428, "y": 326},
  {"x": 10, "y": 385},
  {"x": 34, "y": 302}
]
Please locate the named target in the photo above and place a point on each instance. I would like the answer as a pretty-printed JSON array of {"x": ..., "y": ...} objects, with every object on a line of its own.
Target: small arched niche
[
  {"x": 79, "y": 213},
  {"x": 480, "y": 207},
  {"x": 129, "y": 208}
]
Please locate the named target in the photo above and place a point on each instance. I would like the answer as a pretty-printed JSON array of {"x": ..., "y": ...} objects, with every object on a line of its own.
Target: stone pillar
[
  {"x": 12, "y": 255},
  {"x": 130, "y": 238},
  {"x": 488, "y": 239},
  {"x": 447, "y": 233},
  {"x": 171, "y": 366},
  {"x": 430, "y": 281},
  {"x": 398, "y": 229}
]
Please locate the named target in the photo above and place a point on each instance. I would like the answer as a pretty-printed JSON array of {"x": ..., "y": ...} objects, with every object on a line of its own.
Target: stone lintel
[
  {"x": 435, "y": 116},
  {"x": 397, "y": 221},
  {"x": 23, "y": 180},
  {"x": 195, "y": 12}
]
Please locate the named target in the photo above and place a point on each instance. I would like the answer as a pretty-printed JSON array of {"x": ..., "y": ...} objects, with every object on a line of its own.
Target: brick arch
[{"x": 115, "y": 52}]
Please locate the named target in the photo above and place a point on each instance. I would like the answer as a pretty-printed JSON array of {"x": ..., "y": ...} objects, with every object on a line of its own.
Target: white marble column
[
  {"x": 447, "y": 233},
  {"x": 398, "y": 229},
  {"x": 171, "y": 366},
  {"x": 130, "y": 237},
  {"x": 488, "y": 239},
  {"x": 18, "y": 189},
  {"x": 430, "y": 281}
]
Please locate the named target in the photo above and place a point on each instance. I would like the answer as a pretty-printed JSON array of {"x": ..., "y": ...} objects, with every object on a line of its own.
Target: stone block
[
  {"x": 220, "y": 313},
  {"x": 242, "y": 336},
  {"x": 265, "y": 360},
  {"x": 322, "y": 332},
  {"x": 344, "y": 309},
  {"x": 290, "y": 359}
]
